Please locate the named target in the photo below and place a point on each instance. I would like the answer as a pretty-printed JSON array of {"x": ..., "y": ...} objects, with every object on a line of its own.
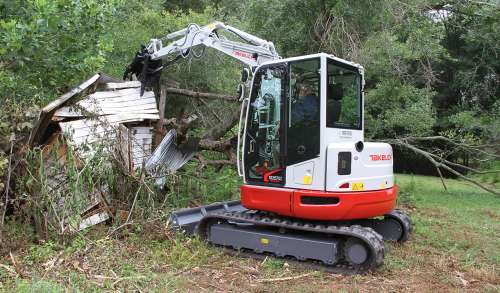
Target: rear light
[{"x": 345, "y": 185}]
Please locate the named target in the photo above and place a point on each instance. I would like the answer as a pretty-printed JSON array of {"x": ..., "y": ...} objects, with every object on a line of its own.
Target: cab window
[
  {"x": 343, "y": 97},
  {"x": 263, "y": 157},
  {"x": 303, "y": 131}
]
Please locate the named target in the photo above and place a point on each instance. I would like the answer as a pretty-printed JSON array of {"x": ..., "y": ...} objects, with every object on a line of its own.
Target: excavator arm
[{"x": 191, "y": 42}]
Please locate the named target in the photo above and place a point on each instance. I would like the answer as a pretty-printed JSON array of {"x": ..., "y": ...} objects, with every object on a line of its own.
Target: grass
[{"x": 455, "y": 247}]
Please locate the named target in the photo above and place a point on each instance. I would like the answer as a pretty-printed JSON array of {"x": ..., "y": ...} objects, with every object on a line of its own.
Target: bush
[{"x": 394, "y": 109}]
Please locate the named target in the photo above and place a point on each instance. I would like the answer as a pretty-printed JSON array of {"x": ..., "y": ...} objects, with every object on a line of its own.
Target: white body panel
[
  {"x": 372, "y": 167},
  {"x": 306, "y": 175}
]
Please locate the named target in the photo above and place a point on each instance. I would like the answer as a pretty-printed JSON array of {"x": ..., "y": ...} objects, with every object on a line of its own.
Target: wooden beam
[
  {"x": 200, "y": 95},
  {"x": 160, "y": 130}
]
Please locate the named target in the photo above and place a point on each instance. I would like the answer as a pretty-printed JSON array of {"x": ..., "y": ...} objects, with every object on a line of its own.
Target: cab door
[
  {"x": 305, "y": 168},
  {"x": 264, "y": 137}
]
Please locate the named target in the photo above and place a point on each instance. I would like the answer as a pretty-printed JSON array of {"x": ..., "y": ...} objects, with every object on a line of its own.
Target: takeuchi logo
[
  {"x": 381, "y": 157},
  {"x": 243, "y": 54},
  {"x": 275, "y": 178}
]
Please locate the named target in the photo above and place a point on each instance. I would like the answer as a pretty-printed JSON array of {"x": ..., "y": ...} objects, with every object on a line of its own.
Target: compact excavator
[{"x": 314, "y": 191}]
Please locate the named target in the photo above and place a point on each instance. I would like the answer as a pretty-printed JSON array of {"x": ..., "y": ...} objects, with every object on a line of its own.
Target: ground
[{"x": 455, "y": 247}]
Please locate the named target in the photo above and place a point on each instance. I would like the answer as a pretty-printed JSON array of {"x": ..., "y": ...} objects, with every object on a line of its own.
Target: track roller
[{"x": 355, "y": 252}]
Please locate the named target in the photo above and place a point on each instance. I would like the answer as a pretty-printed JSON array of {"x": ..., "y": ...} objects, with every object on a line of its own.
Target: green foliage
[
  {"x": 15, "y": 235},
  {"x": 41, "y": 253},
  {"x": 453, "y": 62},
  {"x": 184, "y": 5},
  {"x": 41, "y": 286},
  {"x": 49, "y": 45},
  {"x": 394, "y": 109},
  {"x": 273, "y": 265},
  {"x": 271, "y": 20},
  {"x": 194, "y": 186},
  {"x": 136, "y": 23},
  {"x": 472, "y": 38}
]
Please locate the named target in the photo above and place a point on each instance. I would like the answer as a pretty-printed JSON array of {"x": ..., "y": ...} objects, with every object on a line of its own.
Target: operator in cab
[
  {"x": 305, "y": 118},
  {"x": 305, "y": 111}
]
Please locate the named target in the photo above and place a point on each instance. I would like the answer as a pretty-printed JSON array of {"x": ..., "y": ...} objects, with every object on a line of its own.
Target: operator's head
[{"x": 305, "y": 90}]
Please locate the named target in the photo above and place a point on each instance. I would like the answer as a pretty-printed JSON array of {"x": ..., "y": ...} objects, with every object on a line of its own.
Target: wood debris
[{"x": 284, "y": 278}]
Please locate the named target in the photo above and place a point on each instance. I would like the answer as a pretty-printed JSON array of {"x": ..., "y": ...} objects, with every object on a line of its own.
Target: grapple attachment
[{"x": 147, "y": 71}]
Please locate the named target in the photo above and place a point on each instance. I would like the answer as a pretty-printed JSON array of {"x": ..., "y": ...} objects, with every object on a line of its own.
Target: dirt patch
[
  {"x": 434, "y": 213},
  {"x": 492, "y": 214}
]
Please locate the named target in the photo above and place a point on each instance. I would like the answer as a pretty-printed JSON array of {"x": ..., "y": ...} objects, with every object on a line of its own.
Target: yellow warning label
[
  {"x": 308, "y": 179},
  {"x": 358, "y": 186},
  {"x": 264, "y": 241},
  {"x": 382, "y": 185}
]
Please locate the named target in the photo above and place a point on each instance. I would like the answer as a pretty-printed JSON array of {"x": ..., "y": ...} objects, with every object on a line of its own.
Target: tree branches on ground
[
  {"x": 440, "y": 161},
  {"x": 212, "y": 139}
]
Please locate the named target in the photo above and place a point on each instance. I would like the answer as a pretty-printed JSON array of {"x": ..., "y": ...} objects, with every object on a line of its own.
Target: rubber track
[
  {"x": 372, "y": 239},
  {"x": 404, "y": 220}
]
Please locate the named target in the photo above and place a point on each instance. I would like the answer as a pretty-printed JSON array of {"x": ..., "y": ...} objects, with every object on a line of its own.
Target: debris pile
[{"x": 102, "y": 115}]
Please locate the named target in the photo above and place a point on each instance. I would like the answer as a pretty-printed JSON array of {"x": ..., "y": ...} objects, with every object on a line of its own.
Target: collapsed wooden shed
[
  {"x": 102, "y": 112},
  {"x": 106, "y": 114}
]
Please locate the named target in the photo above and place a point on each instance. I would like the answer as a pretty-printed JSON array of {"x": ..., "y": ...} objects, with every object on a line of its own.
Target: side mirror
[{"x": 245, "y": 73}]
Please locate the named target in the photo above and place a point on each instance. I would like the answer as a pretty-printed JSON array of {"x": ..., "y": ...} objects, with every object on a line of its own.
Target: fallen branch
[
  {"x": 440, "y": 162},
  {"x": 462, "y": 166},
  {"x": 185, "y": 123},
  {"x": 204, "y": 162},
  {"x": 223, "y": 127},
  {"x": 461, "y": 145},
  {"x": 118, "y": 228},
  {"x": 215, "y": 145},
  {"x": 427, "y": 155},
  {"x": 470, "y": 180},
  {"x": 283, "y": 279},
  {"x": 16, "y": 266},
  {"x": 219, "y": 162},
  {"x": 141, "y": 182},
  {"x": 200, "y": 95}
]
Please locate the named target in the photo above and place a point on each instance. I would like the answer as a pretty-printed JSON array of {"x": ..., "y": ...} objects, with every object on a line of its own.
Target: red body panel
[{"x": 351, "y": 205}]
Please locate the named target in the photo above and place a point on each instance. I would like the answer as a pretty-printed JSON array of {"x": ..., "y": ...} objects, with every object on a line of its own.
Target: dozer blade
[{"x": 187, "y": 220}]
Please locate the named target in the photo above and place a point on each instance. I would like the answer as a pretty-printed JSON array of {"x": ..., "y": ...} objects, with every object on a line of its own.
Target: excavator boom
[
  {"x": 191, "y": 42},
  {"x": 252, "y": 51}
]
